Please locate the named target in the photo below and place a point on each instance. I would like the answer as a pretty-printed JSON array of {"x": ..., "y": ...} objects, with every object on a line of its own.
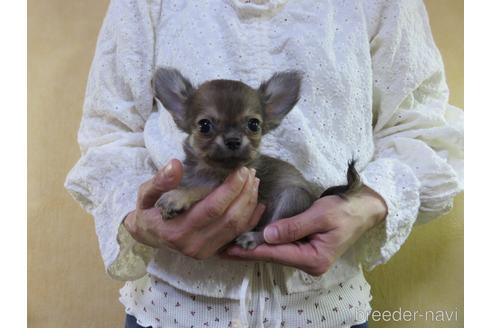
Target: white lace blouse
[{"x": 374, "y": 89}]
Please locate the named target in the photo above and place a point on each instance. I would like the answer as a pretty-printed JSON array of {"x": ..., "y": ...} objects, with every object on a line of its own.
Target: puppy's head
[{"x": 226, "y": 119}]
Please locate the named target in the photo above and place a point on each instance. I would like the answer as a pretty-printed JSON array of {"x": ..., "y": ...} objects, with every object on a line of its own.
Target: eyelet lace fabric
[{"x": 373, "y": 90}]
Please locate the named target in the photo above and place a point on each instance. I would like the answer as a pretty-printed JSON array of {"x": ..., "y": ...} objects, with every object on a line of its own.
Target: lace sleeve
[
  {"x": 114, "y": 160},
  {"x": 418, "y": 161}
]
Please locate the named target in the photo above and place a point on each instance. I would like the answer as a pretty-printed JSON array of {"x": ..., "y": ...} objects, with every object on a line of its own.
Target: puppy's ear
[
  {"x": 173, "y": 90},
  {"x": 279, "y": 94}
]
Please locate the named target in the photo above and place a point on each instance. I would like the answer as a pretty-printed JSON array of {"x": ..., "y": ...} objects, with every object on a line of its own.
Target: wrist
[
  {"x": 129, "y": 222},
  {"x": 372, "y": 204}
]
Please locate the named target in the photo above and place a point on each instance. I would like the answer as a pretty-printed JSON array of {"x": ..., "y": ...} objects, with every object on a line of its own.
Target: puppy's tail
[{"x": 353, "y": 183}]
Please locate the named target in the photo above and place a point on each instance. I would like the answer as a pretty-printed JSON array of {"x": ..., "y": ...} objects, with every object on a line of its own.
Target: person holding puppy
[{"x": 373, "y": 90}]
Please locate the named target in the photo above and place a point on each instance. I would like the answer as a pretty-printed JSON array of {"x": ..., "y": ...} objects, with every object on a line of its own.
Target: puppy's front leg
[
  {"x": 175, "y": 202},
  {"x": 250, "y": 239},
  {"x": 291, "y": 201}
]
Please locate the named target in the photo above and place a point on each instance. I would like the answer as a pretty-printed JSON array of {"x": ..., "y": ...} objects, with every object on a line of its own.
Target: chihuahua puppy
[{"x": 225, "y": 121}]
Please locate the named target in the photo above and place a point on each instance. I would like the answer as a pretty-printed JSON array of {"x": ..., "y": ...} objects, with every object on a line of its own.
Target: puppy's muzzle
[{"x": 233, "y": 143}]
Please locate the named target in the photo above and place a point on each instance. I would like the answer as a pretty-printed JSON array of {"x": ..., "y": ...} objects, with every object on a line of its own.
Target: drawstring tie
[
  {"x": 267, "y": 290},
  {"x": 245, "y": 297}
]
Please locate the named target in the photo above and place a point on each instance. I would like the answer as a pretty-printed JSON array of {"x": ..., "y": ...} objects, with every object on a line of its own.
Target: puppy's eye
[
  {"x": 205, "y": 126},
  {"x": 254, "y": 125}
]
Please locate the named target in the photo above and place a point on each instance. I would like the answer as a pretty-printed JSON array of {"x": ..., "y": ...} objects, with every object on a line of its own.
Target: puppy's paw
[
  {"x": 172, "y": 204},
  {"x": 250, "y": 240}
]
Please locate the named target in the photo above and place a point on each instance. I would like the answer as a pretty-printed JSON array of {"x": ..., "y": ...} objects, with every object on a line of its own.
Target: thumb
[
  {"x": 290, "y": 230},
  {"x": 165, "y": 179}
]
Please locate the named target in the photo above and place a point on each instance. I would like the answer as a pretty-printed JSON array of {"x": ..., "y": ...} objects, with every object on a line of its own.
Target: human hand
[
  {"x": 200, "y": 232},
  {"x": 330, "y": 226}
]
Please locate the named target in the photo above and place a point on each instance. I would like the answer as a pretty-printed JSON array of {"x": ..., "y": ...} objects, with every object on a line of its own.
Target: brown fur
[{"x": 229, "y": 106}]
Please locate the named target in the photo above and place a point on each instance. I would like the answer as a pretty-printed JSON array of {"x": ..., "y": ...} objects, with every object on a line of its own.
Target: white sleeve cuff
[{"x": 396, "y": 183}]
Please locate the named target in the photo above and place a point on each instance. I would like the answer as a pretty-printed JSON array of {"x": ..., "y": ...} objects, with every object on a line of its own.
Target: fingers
[
  {"x": 222, "y": 239},
  {"x": 144, "y": 226},
  {"x": 241, "y": 210},
  {"x": 242, "y": 215},
  {"x": 221, "y": 198},
  {"x": 301, "y": 256},
  {"x": 151, "y": 221},
  {"x": 166, "y": 179},
  {"x": 258, "y": 212},
  {"x": 292, "y": 229}
]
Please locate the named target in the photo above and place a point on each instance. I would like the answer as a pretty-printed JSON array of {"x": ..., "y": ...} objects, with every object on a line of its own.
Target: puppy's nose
[{"x": 233, "y": 143}]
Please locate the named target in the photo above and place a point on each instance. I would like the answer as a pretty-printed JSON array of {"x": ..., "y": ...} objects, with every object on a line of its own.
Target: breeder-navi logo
[{"x": 408, "y": 315}]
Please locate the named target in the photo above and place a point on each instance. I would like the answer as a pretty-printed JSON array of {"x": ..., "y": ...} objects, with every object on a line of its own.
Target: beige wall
[{"x": 66, "y": 281}]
